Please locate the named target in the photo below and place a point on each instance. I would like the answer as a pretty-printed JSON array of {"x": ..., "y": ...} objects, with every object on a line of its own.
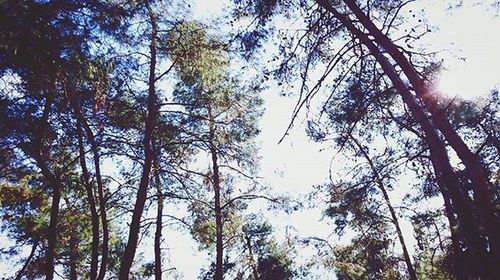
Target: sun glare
[
  {"x": 472, "y": 66},
  {"x": 470, "y": 79},
  {"x": 457, "y": 83}
]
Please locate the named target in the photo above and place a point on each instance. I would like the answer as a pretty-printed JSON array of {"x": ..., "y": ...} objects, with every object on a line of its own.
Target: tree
[
  {"x": 324, "y": 21},
  {"x": 25, "y": 208},
  {"x": 150, "y": 124},
  {"x": 113, "y": 111},
  {"x": 222, "y": 116},
  {"x": 47, "y": 36},
  {"x": 268, "y": 259}
]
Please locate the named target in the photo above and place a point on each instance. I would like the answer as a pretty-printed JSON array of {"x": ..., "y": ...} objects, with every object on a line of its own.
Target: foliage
[{"x": 90, "y": 89}]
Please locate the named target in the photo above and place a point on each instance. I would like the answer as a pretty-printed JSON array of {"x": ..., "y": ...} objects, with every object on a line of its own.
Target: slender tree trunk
[
  {"x": 101, "y": 198},
  {"x": 53, "y": 181},
  {"x": 483, "y": 194},
  {"x": 439, "y": 155},
  {"x": 159, "y": 223},
  {"x": 219, "y": 248},
  {"x": 81, "y": 121},
  {"x": 92, "y": 204},
  {"x": 73, "y": 256},
  {"x": 406, "y": 255},
  {"x": 135, "y": 225},
  {"x": 52, "y": 232},
  {"x": 219, "y": 271},
  {"x": 392, "y": 211},
  {"x": 248, "y": 242},
  {"x": 21, "y": 272}
]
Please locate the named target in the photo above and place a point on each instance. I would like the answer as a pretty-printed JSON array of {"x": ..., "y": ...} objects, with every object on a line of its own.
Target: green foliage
[
  {"x": 24, "y": 210},
  {"x": 200, "y": 60},
  {"x": 433, "y": 267},
  {"x": 205, "y": 84},
  {"x": 204, "y": 227},
  {"x": 271, "y": 259},
  {"x": 368, "y": 257},
  {"x": 275, "y": 264},
  {"x": 89, "y": 59}
]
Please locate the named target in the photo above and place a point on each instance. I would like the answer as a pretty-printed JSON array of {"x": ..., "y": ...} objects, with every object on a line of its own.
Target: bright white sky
[
  {"x": 296, "y": 165},
  {"x": 471, "y": 34}
]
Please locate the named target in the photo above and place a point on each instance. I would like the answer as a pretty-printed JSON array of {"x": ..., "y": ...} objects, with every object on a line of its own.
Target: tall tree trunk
[
  {"x": 219, "y": 264},
  {"x": 151, "y": 119},
  {"x": 81, "y": 121},
  {"x": 101, "y": 197},
  {"x": 444, "y": 170},
  {"x": 392, "y": 211},
  {"x": 52, "y": 230},
  {"x": 21, "y": 272},
  {"x": 53, "y": 180},
  {"x": 73, "y": 256},
  {"x": 219, "y": 248},
  {"x": 92, "y": 204},
  {"x": 159, "y": 222},
  {"x": 483, "y": 194}
]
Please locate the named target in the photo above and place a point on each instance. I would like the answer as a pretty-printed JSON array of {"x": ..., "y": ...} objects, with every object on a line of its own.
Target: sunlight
[
  {"x": 457, "y": 83},
  {"x": 472, "y": 66},
  {"x": 181, "y": 173},
  {"x": 470, "y": 79}
]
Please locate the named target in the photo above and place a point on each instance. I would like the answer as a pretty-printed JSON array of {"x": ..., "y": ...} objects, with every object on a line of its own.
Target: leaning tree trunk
[
  {"x": 392, "y": 211},
  {"x": 151, "y": 119},
  {"x": 483, "y": 194},
  {"x": 439, "y": 155},
  {"x": 81, "y": 121},
  {"x": 460, "y": 260}
]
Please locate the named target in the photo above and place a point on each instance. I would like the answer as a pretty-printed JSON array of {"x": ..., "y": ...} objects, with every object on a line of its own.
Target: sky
[
  {"x": 297, "y": 164},
  {"x": 471, "y": 34}
]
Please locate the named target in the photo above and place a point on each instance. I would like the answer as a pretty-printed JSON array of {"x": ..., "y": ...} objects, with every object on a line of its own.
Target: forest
[{"x": 239, "y": 139}]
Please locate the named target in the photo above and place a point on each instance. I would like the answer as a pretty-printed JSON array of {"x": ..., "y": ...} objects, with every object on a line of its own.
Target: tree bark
[
  {"x": 92, "y": 204},
  {"x": 219, "y": 248},
  {"x": 219, "y": 265},
  {"x": 392, "y": 211},
  {"x": 53, "y": 225},
  {"x": 151, "y": 119},
  {"x": 459, "y": 258},
  {"x": 439, "y": 155},
  {"x": 73, "y": 256},
  {"x": 159, "y": 223},
  {"x": 484, "y": 197}
]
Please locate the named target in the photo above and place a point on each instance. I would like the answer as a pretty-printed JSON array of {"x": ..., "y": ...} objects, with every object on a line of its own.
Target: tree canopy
[{"x": 126, "y": 124}]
